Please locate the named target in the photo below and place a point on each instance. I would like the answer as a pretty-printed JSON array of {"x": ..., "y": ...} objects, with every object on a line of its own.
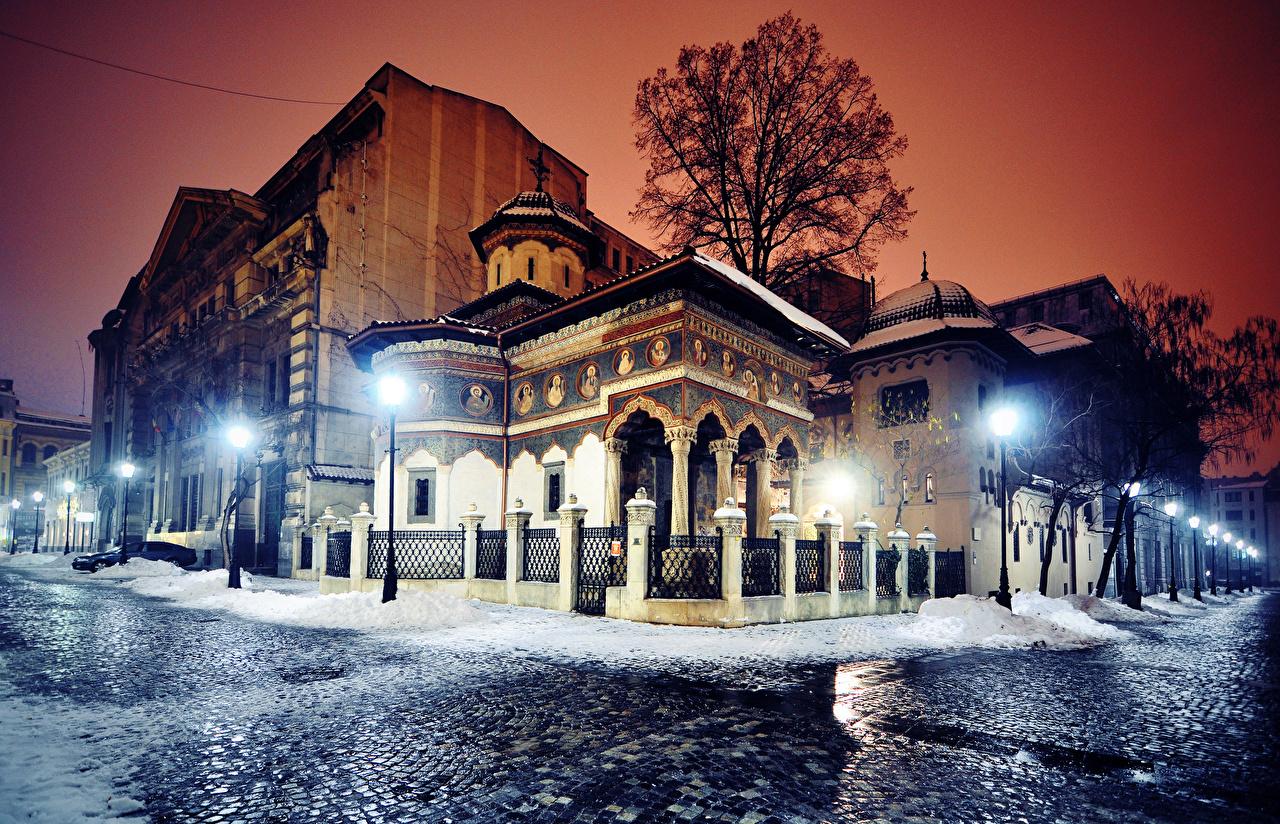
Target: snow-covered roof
[
  {"x": 1043, "y": 339},
  {"x": 336, "y": 472},
  {"x": 800, "y": 318},
  {"x": 916, "y": 329}
]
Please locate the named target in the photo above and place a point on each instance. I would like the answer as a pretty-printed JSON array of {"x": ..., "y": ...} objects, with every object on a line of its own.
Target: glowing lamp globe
[
  {"x": 1003, "y": 421},
  {"x": 37, "y": 496},
  {"x": 126, "y": 470},
  {"x": 239, "y": 436},
  {"x": 1194, "y": 522},
  {"x": 392, "y": 390},
  {"x": 68, "y": 487}
]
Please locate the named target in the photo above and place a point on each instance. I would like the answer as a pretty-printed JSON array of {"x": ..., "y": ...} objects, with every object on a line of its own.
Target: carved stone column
[
  {"x": 764, "y": 459},
  {"x": 724, "y": 450},
  {"x": 795, "y": 468},
  {"x": 680, "y": 439},
  {"x": 614, "y": 449}
]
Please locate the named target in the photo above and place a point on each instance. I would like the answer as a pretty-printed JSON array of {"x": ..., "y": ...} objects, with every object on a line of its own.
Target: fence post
[
  {"x": 361, "y": 523},
  {"x": 927, "y": 541},
  {"x": 517, "y": 521},
  {"x": 471, "y": 521},
  {"x": 900, "y": 540},
  {"x": 784, "y": 525},
  {"x": 572, "y": 514},
  {"x": 868, "y": 533},
  {"x": 320, "y": 539},
  {"x": 641, "y": 515},
  {"x": 829, "y": 528},
  {"x": 296, "y": 529},
  {"x": 732, "y": 523}
]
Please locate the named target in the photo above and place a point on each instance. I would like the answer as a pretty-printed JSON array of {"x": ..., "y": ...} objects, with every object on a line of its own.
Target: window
[
  {"x": 1084, "y": 301},
  {"x": 1232, "y": 497},
  {"x": 1250, "y": 494},
  {"x": 422, "y": 487},
  {"x": 50, "y": 451},
  {"x": 617, "y": 260},
  {"x": 1017, "y": 545},
  {"x": 269, "y": 385},
  {"x": 879, "y": 491},
  {"x": 1037, "y": 312},
  {"x": 630, "y": 263},
  {"x": 1041, "y": 543},
  {"x": 904, "y": 403},
  {"x": 183, "y": 503},
  {"x": 282, "y": 385},
  {"x": 28, "y": 453},
  {"x": 1235, "y": 514},
  {"x": 991, "y": 449},
  {"x": 499, "y": 274},
  {"x": 553, "y": 489},
  {"x": 906, "y": 493},
  {"x": 1062, "y": 539},
  {"x": 566, "y": 276},
  {"x": 193, "y": 504},
  {"x": 106, "y": 440},
  {"x": 529, "y": 274},
  {"x": 982, "y": 479},
  {"x": 928, "y": 488},
  {"x": 991, "y": 483}
]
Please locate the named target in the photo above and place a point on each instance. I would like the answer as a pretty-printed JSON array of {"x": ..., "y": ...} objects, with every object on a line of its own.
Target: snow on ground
[
  {"x": 139, "y": 568},
  {"x": 38, "y": 560},
  {"x": 970, "y": 619},
  {"x": 1064, "y": 614},
  {"x": 1103, "y": 609}
]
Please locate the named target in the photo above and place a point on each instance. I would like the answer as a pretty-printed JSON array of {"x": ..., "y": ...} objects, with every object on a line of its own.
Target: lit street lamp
[
  {"x": 240, "y": 437},
  {"x": 1002, "y": 422},
  {"x": 38, "y": 497},
  {"x": 1240, "y": 549},
  {"x": 1171, "y": 509},
  {"x": 391, "y": 392},
  {"x": 1226, "y": 539},
  {"x": 1194, "y": 523},
  {"x": 125, "y": 471},
  {"x": 1213, "y": 559},
  {"x": 14, "y": 505},
  {"x": 68, "y": 486}
]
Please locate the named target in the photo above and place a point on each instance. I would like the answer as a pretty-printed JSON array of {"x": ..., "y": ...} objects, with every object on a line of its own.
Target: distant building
[
  {"x": 69, "y": 518},
  {"x": 1249, "y": 508},
  {"x": 28, "y": 438}
]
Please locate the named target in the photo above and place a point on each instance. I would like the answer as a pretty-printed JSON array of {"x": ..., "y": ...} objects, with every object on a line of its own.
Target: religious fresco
[
  {"x": 553, "y": 390},
  {"x": 728, "y": 365},
  {"x": 775, "y": 384},
  {"x": 751, "y": 377},
  {"x": 701, "y": 353},
  {"x": 477, "y": 400},
  {"x": 624, "y": 362},
  {"x": 426, "y": 397},
  {"x": 658, "y": 351},
  {"x": 524, "y": 398},
  {"x": 589, "y": 380}
]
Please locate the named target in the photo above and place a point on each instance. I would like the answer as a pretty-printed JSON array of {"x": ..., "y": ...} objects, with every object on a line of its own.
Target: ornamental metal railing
[
  {"x": 917, "y": 571},
  {"x": 761, "y": 566},
  {"x": 541, "y": 555},
  {"x": 338, "y": 554},
  {"x": 851, "y": 578},
  {"x": 887, "y": 572},
  {"x": 598, "y": 566},
  {"x": 491, "y": 554},
  {"x": 948, "y": 574},
  {"x": 422, "y": 554},
  {"x": 304, "y": 553},
  {"x": 685, "y": 566},
  {"x": 811, "y": 565}
]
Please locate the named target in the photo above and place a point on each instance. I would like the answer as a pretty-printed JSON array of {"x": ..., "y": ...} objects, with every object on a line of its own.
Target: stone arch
[
  {"x": 714, "y": 408},
  {"x": 787, "y": 433},
  {"x": 641, "y": 403},
  {"x": 752, "y": 419}
]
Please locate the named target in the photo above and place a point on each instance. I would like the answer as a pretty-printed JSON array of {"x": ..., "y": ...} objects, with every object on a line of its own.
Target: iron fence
[
  {"x": 917, "y": 571},
  {"x": 761, "y": 574},
  {"x": 685, "y": 566},
  {"x": 422, "y": 554},
  {"x": 851, "y": 578},
  {"x": 598, "y": 567},
  {"x": 811, "y": 565},
  {"x": 338, "y": 554},
  {"x": 948, "y": 574},
  {"x": 887, "y": 572},
  {"x": 541, "y": 555},
  {"x": 304, "y": 554},
  {"x": 491, "y": 554}
]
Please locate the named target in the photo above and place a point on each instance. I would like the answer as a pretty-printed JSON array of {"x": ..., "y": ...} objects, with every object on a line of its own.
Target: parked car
[{"x": 151, "y": 550}]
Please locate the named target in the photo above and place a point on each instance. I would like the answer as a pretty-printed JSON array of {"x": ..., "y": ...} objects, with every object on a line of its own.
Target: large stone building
[
  {"x": 242, "y": 311},
  {"x": 1249, "y": 508}
]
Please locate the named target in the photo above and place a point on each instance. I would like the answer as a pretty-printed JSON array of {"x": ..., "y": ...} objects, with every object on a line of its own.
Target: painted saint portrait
[
  {"x": 624, "y": 362},
  {"x": 476, "y": 400},
  {"x": 775, "y": 384},
  {"x": 659, "y": 351},
  {"x": 524, "y": 398},
  {"x": 589, "y": 381},
  {"x": 553, "y": 392},
  {"x": 727, "y": 366},
  {"x": 796, "y": 393},
  {"x": 752, "y": 383},
  {"x": 700, "y": 354},
  {"x": 426, "y": 396}
]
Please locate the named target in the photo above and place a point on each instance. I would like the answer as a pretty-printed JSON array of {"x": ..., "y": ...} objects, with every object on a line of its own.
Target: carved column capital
[
  {"x": 615, "y": 446},
  {"x": 683, "y": 435},
  {"x": 729, "y": 445}
]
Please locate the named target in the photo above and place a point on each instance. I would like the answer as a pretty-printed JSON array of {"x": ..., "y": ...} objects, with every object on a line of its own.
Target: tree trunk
[
  {"x": 1113, "y": 543},
  {"x": 1132, "y": 598},
  {"x": 1058, "y": 501}
]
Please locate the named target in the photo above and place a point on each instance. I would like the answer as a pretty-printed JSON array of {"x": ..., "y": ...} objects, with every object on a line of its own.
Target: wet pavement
[{"x": 211, "y": 717}]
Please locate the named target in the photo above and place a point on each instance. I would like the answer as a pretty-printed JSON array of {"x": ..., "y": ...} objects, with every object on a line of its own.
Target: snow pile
[
  {"x": 1161, "y": 605},
  {"x": 1064, "y": 614},
  {"x": 967, "y": 619},
  {"x": 1102, "y": 609},
  {"x": 35, "y": 559},
  {"x": 349, "y": 610},
  {"x": 140, "y": 568}
]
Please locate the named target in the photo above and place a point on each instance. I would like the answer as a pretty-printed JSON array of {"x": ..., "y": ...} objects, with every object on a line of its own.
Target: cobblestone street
[{"x": 209, "y": 717}]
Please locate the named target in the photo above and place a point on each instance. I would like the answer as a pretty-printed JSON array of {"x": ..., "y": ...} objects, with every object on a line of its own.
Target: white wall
[
  {"x": 475, "y": 479},
  {"x": 586, "y": 478}
]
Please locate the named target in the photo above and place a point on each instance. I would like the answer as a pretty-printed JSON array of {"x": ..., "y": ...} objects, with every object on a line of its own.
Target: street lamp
[
  {"x": 1253, "y": 555},
  {"x": 391, "y": 393},
  {"x": 1213, "y": 559},
  {"x": 239, "y": 436},
  {"x": 1171, "y": 509},
  {"x": 14, "y": 505},
  {"x": 1194, "y": 523},
  {"x": 1240, "y": 549},
  {"x": 38, "y": 497},
  {"x": 68, "y": 486},
  {"x": 125, "y": 470},
  {"x": 1003, "y": 422}
]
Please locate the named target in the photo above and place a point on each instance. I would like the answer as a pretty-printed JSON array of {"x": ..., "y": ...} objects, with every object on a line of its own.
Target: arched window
[
  {"x": 28, "y": 453},
  {"x": 530, "y": 273},
  {"x": 928, "y": 488},
  {"x": 499, "y": 281},
  {"x": 991, "y": 481},
  {"x": 566, "y": 276},
  {"x": 982, "y": 479}
]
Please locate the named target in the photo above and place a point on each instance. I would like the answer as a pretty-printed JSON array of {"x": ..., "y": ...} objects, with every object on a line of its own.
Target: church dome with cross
[
  {"x": 535, "y": 238},
  {"x": 924, "y": 307}
]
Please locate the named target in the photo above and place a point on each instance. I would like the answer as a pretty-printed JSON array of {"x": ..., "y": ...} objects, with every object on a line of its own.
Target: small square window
[
  {"x": 422, "y": 491},
  {"x": 553, "y": 490}
]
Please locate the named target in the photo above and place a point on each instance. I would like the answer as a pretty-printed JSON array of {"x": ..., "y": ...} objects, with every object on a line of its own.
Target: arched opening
[
  {"x": 753, "y": 472},
  {"x": 704, "y": 481},
  {"x": 646, "y": 462}
]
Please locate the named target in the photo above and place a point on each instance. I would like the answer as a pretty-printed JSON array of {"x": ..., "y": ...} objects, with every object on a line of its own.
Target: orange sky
[{"x": 1048, "y": 141}]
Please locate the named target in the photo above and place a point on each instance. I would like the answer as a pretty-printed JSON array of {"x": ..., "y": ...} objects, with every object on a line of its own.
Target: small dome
[
  {"x": 928, "y": 300},
  {"x": 531, "y": 206},
  {"x": 536, "y": 214}
]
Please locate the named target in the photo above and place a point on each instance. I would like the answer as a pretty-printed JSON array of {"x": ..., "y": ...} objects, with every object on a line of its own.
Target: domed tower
[{"x": 535, "y": 238}]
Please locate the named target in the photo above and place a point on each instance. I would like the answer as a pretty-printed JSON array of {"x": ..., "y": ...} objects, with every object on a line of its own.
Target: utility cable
[{"x": 165, "y": 78}]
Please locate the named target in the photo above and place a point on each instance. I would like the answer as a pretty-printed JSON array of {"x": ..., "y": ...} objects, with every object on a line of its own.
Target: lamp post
[
  {"x": 14, "y": 506},
  {"x": 1171, "y": 509},
  {"x": 1226, "y": 539},
  {"x": 125, "y": 471},
  {"x": 239, "y": 437},
  {"x": 1213, "y": 559},
  {"x": 1253, "y": 554},
  {"x": 1194, "y": 523},
  {"x": 1002, "y": 422},
  {"x": 38, "y": 497},
  {"x": 391, "y": 392},
  {"x": 68, "y": 486}
]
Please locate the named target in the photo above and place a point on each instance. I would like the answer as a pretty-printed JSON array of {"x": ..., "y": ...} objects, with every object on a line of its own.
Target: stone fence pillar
[
  {"x": 785, "y": 525},
  {"x": 517, "y": 521},
  {"x": 471, "y": 521},
  {"x": 642, "y": 513},
  {"x": 868, "y": 533},
  {"x": 732, "y": 523},
  {"x": 900, "y": 540},
  {"x": 296, "y": 529},
  {"x": 927, "y": 541},
  {"x": 361, "y": 523},
  {"x": 320, "y": 541},
  {"x": 572, "y": 514},
  {"x": 829, "y": 528}
]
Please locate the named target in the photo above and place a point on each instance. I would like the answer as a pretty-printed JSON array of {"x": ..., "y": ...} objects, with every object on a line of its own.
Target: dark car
[{"x": 151, "y": 550}]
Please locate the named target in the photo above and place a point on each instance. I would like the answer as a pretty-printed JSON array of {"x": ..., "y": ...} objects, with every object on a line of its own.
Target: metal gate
[
  {"x": 602, "y": 563},
  {"x": 948, "y": 574}
]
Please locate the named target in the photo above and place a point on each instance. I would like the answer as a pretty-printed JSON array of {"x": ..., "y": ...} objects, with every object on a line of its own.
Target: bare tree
[{"x": 774, "y": 155}]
